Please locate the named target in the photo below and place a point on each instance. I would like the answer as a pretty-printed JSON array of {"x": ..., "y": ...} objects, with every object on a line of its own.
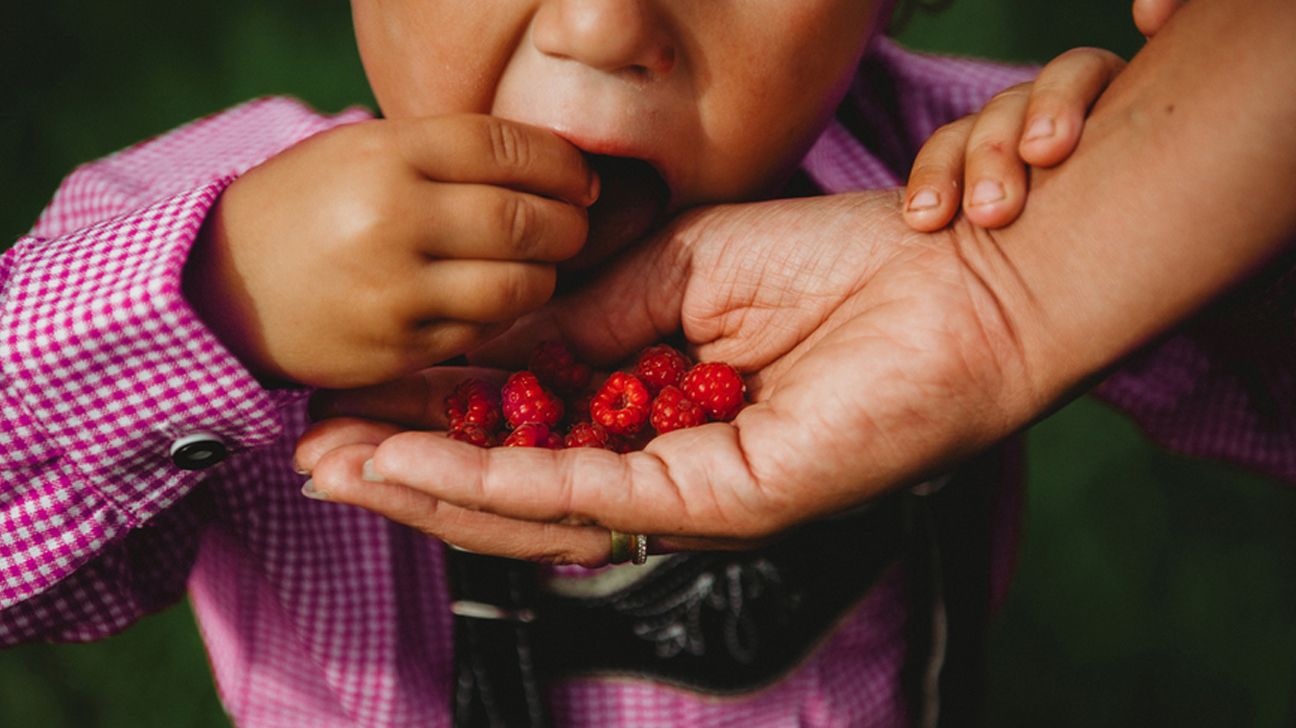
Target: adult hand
[
  {"x": 878, "y": 355},
  {"x": 875, "y": 356}
]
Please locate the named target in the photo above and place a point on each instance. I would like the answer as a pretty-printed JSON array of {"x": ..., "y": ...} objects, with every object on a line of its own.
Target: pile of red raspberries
[{"x": 552, "y": 403}]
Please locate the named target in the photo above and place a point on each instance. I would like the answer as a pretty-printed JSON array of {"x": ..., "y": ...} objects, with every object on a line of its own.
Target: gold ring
[
  {"x": 640, "y": 549},
  {"x": 621, "y": 552}
]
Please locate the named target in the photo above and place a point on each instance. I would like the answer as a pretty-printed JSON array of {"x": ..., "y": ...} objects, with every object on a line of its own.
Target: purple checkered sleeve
[
  {"x": 103, "y": 366},
  {"x": 1224, "y": 385}
]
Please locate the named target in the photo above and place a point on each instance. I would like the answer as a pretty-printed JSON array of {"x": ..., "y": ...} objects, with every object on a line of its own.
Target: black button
[{"x": 197, "y": 451}]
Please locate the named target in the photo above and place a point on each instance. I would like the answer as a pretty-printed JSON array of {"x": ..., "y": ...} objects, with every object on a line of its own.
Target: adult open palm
[{"x": 874, "y": 356}]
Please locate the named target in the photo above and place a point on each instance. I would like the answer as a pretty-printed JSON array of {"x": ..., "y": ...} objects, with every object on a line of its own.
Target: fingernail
[
  {"x": 595, "y": 186},
  {"x": 1040, "y": 128},
  {"x": 986, "y": 192},
  {"x": 368, "y": 473},
  {"x": 310, "y": 491},
  {"x": 926, "y": 199},
  {"x": 299, "y": 469}
]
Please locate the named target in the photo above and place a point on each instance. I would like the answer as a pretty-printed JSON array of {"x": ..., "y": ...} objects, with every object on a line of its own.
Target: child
[{"x": 164, "y": 314}]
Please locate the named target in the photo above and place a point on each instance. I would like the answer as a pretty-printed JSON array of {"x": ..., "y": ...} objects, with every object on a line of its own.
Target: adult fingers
[
  {"x": 338, "y": 478},
  {"x": 328, "y": 452},
  {"x": 995, "y": 176},
  {"x": 334, "y": 433},
  {"x": 496, "y": 223},
  {"x": 1060, "y": 99},
  {"x": 691, "y": 483},
  {"x": 489, "y": 150},
  {"x": 933, "y": 193}
]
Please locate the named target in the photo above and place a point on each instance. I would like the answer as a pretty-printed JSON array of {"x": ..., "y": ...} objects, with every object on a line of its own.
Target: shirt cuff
[{"x": 104, "y": 352}]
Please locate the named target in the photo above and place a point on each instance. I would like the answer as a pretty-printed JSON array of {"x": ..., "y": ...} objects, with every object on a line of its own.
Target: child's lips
[{"x": 632, "y": 199}]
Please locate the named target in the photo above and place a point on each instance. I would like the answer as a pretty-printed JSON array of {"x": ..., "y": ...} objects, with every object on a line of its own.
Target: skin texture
[
  {"x": 903, "y": 353},
  {"x": 372, "y": 251},
  {"x": 978, "y": 164},
  {"x": 722, "y": 97}
]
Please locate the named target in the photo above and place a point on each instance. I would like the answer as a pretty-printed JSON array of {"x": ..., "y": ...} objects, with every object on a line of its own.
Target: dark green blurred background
[{"x": 1152, "y": 591}]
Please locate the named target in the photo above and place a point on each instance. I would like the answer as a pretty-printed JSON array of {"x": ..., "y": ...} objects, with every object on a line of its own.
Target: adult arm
[{"x": 887, "y": 356}]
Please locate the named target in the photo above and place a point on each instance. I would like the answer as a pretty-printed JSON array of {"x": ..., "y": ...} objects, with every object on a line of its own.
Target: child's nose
[{"x": 611, "y": 35}]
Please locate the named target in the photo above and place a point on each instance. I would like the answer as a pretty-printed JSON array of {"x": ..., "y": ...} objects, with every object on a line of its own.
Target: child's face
[{"x": 720, "y": 97}]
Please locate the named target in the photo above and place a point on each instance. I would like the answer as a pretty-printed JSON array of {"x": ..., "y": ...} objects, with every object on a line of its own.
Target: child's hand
[
  {"x": 373, "y": 250},
  {"x": 1151, "y": 15},
  {"x": 979, "y": 161}
]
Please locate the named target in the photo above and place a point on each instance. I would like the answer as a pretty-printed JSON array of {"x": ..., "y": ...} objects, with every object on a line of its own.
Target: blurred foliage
[{"x": 1152, "y": 590}]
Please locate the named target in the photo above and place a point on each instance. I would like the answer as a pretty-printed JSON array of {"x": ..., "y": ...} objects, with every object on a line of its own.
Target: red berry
[
  {"x": 533, "y": 434},
  {"x": 671, "y": 410},
  {"x": 715, "y": 386},
  {"x": 473, "y": 435},
  {"x": 622, "y": 404},
  {"x": 661, "y": 366},
  {"x": 557, "y": 367},
  {"x": 587, "y": 434},
  {"x": 525, "y": 401},
  {"x": 474, "y": 402}
]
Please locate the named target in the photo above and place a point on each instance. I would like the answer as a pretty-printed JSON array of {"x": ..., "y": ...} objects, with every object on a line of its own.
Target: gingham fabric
[{"x": 317, "y": 614}]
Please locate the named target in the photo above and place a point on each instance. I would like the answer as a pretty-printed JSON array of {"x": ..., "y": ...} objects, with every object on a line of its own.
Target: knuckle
[
  {"x": 930, "y": 170},
  {"x": 509, "y": 145},
  {"x": 1012, "y": 93},
  {"x": 368, "y": 140},
  {"x": 1087, "y": 54},
  {"x": 953, "y": 131},
  {"x": 520, "y": 220},
  {"x": 991, "y": 146},
  {"x": 526, "y": 286}
]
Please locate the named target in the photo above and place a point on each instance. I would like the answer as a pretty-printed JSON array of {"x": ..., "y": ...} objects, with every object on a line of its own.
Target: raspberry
[
  {"x": 587, "y": 434},
  {"x": 661, "y": 366},
  {"x": 474, "y": 402},
  {"x": 715, "y": 386},
  {"x": 533, "y": 434},
  {"x": 673, "y": 411},
  {"x": 621, "y": 405},
  {"x": 556, "y": 367},
  {"x": 524, "y": 401},
  {"x": 473, "y": 435}
]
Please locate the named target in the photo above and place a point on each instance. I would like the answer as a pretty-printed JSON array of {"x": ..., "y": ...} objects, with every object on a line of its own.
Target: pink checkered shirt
[{"x": 317, "y": 614}]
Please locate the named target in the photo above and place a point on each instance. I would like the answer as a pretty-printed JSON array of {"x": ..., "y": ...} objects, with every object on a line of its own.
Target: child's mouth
[{"x": 633, "y": 196}]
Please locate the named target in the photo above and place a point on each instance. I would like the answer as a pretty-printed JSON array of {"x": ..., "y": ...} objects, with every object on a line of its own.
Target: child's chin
[{"x": 631, "y": 201}]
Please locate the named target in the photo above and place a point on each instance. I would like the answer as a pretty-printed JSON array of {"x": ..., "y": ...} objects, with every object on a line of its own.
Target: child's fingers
[
  {"x": 1152, "y": 15},
  {"x": 933, "y": 193},
  {"x": 480, "y": 291},
  {"x": 995, "y": 178},
  {"x": 1059, "y": 101},
  {"x": 496, "y": 223},
  {"x": 490, "y": 150}
]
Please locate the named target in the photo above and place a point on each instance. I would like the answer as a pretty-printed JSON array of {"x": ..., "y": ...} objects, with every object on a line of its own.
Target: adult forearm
[{"x": 1181, "y": 185}]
